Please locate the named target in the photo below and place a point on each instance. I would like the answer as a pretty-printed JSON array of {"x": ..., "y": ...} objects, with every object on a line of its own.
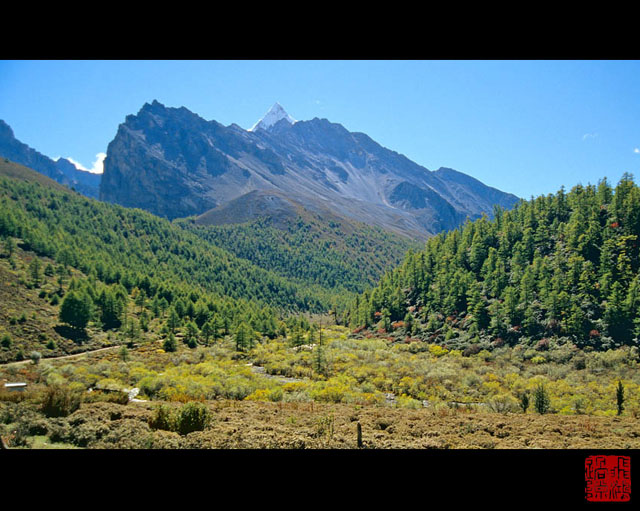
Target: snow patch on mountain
[{"x": 275, "y": 114}]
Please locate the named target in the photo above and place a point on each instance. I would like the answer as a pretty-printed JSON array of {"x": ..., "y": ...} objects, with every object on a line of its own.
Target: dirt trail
[
  {"x": 27, "y": 360},
  {"x": 261, "y": 370}
]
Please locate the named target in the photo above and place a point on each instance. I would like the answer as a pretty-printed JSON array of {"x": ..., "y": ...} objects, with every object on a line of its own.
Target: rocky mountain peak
[
  {"x": 176, "y": 164},
  {"x": 275, "y": 114},
  {"x": 5, "y": 130}
]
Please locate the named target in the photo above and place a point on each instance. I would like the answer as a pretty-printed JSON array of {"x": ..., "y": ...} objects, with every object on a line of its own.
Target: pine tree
[
  {"x": 170, "y": 344},
  {"x": 319, "y": 360},
  {"x": 132, "y": 330},
  {"x": 9, "y": 247},
  {"x": 191, "y": 334},
  {"x": 140, "y": 299},
  {"x": 76, "y": 309},
  {"x": 207, "y": 331},
  {"x": 620, "y": 397},
  {"x": 215, "y": 327},
  {"x": 616, "y": 319},
  {"x": 541, "y": 400},
  {"x": 173, "y": 321},
  {"x": 243, "y": 337},
  {"x": 295, "y": 336},
  {"x": 35, "y": 269},
  {"x": 111, "y": 308}
]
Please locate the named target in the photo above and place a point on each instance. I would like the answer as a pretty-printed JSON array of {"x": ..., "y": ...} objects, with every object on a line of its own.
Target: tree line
[{"x": 563, "y": 265}]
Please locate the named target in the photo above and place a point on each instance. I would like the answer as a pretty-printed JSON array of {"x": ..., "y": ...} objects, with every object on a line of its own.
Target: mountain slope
[
  {"x": 174, "y": 163},
  {"x": 280, "y": 235},
  {"x": 561, "y": 268},
  {"x": 62, "y": 170},
  {"x": 310, "y": 267}
]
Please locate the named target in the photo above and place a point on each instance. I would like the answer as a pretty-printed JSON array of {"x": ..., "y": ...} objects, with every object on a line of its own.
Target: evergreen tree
[
  {"x": 9, "y": 247},
  {"x": 140, "y": 299},
  {"x": 319, "y": 359},
  {"x": 76, "y": 309},
  {"x": 49, "y": 270},
  {"x": 191, "y": 334},
  {"x": 243, "y": 337},
  {"x": 207, "y": 332},
  {"x": 620, "y": 397},
  {"x": 173, "y": 321},
  {"x": 35, "y": 272},
  {"x": 111, "y": 308},
  {"x": 541, "y": 400},
  {"x": 170, "y": 344}
]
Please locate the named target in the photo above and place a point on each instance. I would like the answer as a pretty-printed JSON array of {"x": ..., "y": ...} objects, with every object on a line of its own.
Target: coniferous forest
[{"x": 562, "y": 266}]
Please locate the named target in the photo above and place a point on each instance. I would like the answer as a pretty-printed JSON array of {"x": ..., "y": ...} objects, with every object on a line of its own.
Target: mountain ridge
[
  {"x": 62, "y": 170},
  {"x": 174, "y": 163}
]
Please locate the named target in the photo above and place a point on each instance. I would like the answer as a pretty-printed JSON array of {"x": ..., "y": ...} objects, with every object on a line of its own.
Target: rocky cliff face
[
  {"x": 173, "y": 163},
  {"x": 87, "y": 183},
  {"x": 62, "y": 170}
]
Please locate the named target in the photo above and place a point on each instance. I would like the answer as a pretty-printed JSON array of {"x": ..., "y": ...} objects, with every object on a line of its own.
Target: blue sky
[{"x": 525, "y": 127}]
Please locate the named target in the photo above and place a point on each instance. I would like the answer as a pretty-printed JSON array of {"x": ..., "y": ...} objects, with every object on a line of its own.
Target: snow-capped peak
[{"x": 275, "y": 114}]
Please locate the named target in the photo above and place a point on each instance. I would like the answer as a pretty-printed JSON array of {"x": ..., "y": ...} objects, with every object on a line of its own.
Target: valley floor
[{"x": 264, "y": 425}]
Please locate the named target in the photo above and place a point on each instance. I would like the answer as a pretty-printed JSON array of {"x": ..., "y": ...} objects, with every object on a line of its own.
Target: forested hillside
[
  {"x": 137, "y": 249},
  {"x": 120, "y": 254},
  {"x": 561, "y": 267},
  {"x": 339, "y": 255}
]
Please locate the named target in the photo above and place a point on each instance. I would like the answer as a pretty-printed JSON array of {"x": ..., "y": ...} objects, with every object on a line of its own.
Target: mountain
[
  {"x": 297, "y": 262},
  {"x": 274, "y": 115},
  {"x": 87, "y": 183},
  {"x": 61, "y": 171},
  {"x": 135, "y": 248},
  {"x": 278, "y": 234},
  {"x": 561, "y": 269},
  {"x": 174, "y": 163}
]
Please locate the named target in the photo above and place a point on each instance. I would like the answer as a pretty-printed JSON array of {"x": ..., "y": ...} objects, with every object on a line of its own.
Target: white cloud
[
  {"x": 589, "y": 135},
  {"x": 98, "y": 165},
  {"x": 636, "y": 150}
]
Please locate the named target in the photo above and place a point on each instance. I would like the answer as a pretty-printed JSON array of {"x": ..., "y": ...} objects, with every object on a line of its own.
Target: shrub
[
  {"x": 543, "y": 345},
  {"x": 6, "y": 341},
  {"x": 12, "y": 396},
  {"x": 162, "y": 418},
  {"x": 192, "y": 416},
  {"x": 35, "y": 356},
  {"x": 404, "y": 401},
  {"x": 503, "y": 403},
  {"x": 579, "y": 362},
  {"x": 471, "y": 350},
  {"x": 437, "y": 351},
  {"x": 96, "y": 396},
  {"x": 60, "y": 401}
]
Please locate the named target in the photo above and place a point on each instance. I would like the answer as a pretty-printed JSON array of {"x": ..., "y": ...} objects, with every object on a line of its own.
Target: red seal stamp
[{"x": 607, "y": 478}]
